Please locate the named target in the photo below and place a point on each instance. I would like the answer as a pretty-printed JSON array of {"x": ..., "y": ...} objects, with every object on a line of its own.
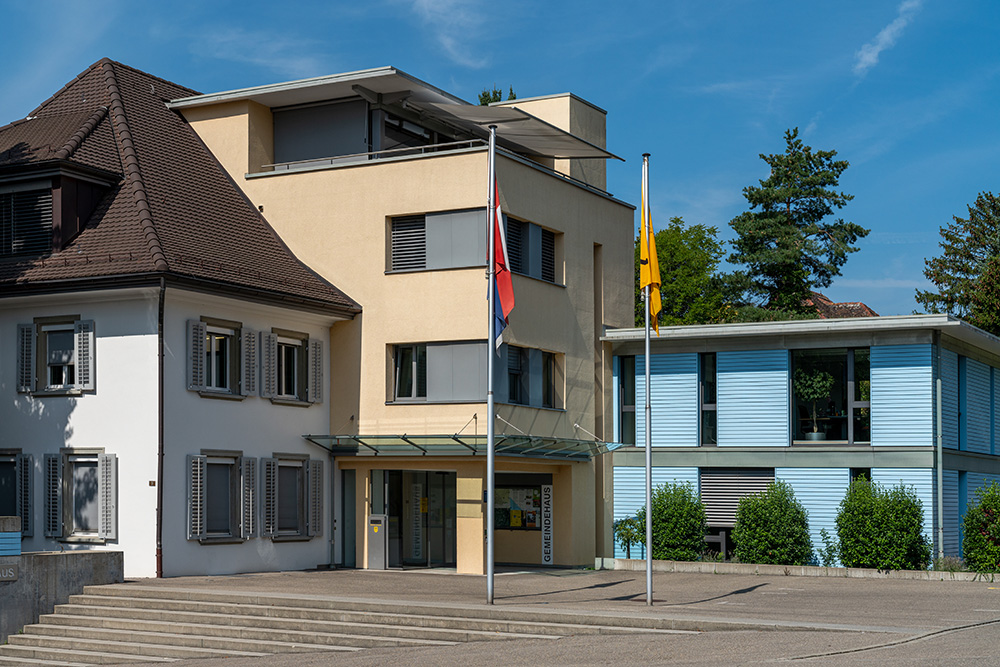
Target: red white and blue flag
[{"x": 503, "y": 286}]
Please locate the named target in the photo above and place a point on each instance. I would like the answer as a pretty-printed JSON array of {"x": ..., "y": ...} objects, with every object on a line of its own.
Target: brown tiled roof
[
  {"x": 174, "y": 211},
  {"x": 829, "y": 310}
]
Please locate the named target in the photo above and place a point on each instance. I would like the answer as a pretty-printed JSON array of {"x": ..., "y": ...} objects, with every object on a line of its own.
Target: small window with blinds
[
  {"x": 25, "y": 223},
  {"x": 531, "y": 250},
  {"x": 515, "y": 237},
  {"x": 222, "y": 496},
  {"x": 722, "y": 488},
  {"x": 409, "y": 243},
  {"x": 56, "y": 355},
  {"x": 81, "y": 495},
  {"x": 548, "y": 256}
]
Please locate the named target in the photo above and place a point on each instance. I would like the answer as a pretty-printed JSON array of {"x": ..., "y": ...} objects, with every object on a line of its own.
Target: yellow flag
[{"x": 649, "y": 267}]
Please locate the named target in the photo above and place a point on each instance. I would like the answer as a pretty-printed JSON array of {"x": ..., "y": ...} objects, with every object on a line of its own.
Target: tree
[
  {"x": 785, "y": 240},
  {"x": 692, "y": 291},
  {"x": 679, "y": 523},
  {"x": 968, "y": 246},
  {"x": 772, "y": 527},
  {"x": 488, "y": 96}
]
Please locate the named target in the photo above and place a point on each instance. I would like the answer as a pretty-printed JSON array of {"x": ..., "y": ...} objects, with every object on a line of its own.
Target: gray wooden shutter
[
  {"x": 269, "y": 496},
  {"x": 315, "y": 372},
  {"x": 248, "y": 364},
  {"x": 268, "y": 365},
  {"x": 197, "y": 466},
  {"x": 83, "y": 335},
  {"x": 314, "y": 499},
  {"x": 196, "y": 332},
  {"x": 248, "y": 477},
  {"x": 107, "y": 474},
  {"x": 25, "y": 358},
  {"x": 53, "y": 495},
  {"x": 25, "y": 464}
]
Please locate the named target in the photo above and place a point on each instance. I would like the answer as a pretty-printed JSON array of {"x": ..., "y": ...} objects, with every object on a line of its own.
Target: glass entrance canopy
[{"x": 524, "y": 446}]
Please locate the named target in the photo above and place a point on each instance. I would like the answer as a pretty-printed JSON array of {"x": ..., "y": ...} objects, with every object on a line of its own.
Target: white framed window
[
  {"x": 411, "y": 372},
  {"x": 291, "y": 496},
  {"x": 81, "y": 495},
  {"x": 222, "y": 358},
  {"x": 222, "y": 496},
  {"x": 56, "y": 355},
  {"x": 291, "y": 367},
  {"x": 16, "y": 474}
]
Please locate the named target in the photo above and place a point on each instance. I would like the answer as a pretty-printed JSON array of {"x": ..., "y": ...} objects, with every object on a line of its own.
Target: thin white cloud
[
  {"x": 868, "y": 55},
  {"x": 287, "y": 55},
  {"x": 457, "y": 25}
]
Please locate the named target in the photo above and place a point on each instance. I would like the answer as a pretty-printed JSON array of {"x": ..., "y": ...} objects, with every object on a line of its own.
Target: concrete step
[
  {"x": 453, "y": 628},
  {"x": 211, "y": 625},
  {"x": 132, "y": 648},
  {"x": 21, "y": 662},
  {"x": 137, "y": 633},
  {"x": 37, "y": 655}
]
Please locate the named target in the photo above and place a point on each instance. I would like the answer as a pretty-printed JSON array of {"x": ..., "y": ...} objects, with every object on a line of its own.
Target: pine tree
[
  {"x": 968, "y": 246},
  {"x": 785, "y": 241}
]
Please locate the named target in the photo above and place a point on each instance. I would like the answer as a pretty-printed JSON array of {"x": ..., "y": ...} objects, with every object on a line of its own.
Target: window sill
[
  {"x": 290, "y": 538},
  {"x": 221, "y": 540},
  {"x": 82, "y": 539},
  {"x": 225, "y": 396},
  {"x": 57, "y": 392},
  {"x": 294, "y": 402}
]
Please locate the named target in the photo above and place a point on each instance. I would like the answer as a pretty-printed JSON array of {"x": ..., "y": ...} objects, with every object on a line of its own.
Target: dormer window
[{"x": 25, "y": 220}]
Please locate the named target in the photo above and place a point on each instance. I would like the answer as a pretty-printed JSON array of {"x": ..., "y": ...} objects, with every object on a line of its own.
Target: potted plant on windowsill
[{"x": 811, "y": 386}]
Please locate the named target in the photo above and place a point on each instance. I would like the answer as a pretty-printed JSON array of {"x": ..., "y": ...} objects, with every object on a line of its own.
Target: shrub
[
  {"x": 981, "y": 529},
  {"x": 630, "y": 532},
  {"x": 772, "y": 527},
  {"x": 882, "y": 529},
  {"x": 679, "y": 524}
]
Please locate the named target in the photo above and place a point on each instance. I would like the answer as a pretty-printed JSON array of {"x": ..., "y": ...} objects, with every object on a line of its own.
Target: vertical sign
[
  {"x": 546, "y": 524},
  {"x": 417, "y": 519}
]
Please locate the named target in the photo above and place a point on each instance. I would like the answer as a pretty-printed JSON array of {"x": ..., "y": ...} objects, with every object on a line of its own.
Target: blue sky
[{"x": 907, "y": 91}]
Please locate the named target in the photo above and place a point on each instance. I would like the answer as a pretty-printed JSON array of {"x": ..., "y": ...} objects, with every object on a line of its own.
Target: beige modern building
[{"x": 378, "y": 182}]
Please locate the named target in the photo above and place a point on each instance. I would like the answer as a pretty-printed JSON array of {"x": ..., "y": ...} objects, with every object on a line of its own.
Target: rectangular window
[
  {"x": 722, "y": 488},
  {"x": 25, "y": 222},
  {"x": 222, "y": 359},
  {"x": 515, "y": 235},
  {"x": 16, "y": 475},
  {"x": 56, "y": 355},
  {"x": 548, "y": 380},
  {"x": 292, "y": 496},
  {"x": 626, "y": 393},
  {"x": 707, "y": 398},
  {"x": 222, "y": 496},
  {"x": 517, "y": 375},
  {"x": 409, "y": 243},
  {"x": 411, "y": 372},
  {"x": 531, "y": 249},
  {"x": 831, "y": 389},
  {"x": 219, "y": 347},
  {"x": 81, "y": 497}
]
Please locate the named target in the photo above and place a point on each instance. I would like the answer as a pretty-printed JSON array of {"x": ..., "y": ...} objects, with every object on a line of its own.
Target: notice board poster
[{"x": 518, "y": 508}]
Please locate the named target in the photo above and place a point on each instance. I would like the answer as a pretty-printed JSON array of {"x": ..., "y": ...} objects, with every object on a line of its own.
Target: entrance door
[{"x": 421, "y": 511}]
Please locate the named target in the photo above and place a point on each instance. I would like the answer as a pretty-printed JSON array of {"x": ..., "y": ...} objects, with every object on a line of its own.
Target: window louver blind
[
  {"x": 409, "y": 243},
  {"x": 515, "y": 245},
  {"x": 722, "y": 488},
  {"x": 548, "y": 256},
  {"x": 25, "y": 222}
]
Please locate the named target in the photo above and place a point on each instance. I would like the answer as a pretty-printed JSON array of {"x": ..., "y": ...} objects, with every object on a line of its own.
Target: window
[
  {"x": 221, "y": 357},
  {"x": 832, "y": 389},
  {"x": 707, "y": 398},
  {"x": 25, "y": 222},
  {"x": 409, "y": 243},
  {"x": 517, "y": 375},
  {"x": 531, "y": 250},
  {"x": 222, "y": 496},
  {"x": 411, "y": 372},
  {"x": 626, "y": 393},
  {"x": 292, "y": 496},
  {"x": 81, "y": 496},
  {"x": 722, "y": 488},
  {"x": 15, "y": 487},
  {"x": 291, "y": 367},
  {"x": 220, "y": 346},
  {"x": 548, "y": 380},
  {"x": 56, "y": 354}
]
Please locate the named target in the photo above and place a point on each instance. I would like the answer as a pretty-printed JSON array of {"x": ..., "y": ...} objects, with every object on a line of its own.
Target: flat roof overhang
[{"x": 523, "y": 446}]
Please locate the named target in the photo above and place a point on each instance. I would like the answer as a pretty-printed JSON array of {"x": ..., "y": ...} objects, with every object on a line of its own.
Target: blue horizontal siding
[
  {"x": 952, "y": 514},
  {"x": 753, "y": 400},
  {"x": 977, "y": 407},
  {"x": 902, "y": 395},
  {"x": 630, "y": 491},
  {"x": 922, "y": 481},
  {"x": 820, "y": 491},
  {"x": 949, "y": 398},
  {"x": 10, "y": 544},
  {"x": 977, "y": 481},
  {"x": 673, "y": 380}
]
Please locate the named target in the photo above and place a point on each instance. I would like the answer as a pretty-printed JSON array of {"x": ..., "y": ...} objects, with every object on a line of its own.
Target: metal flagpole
[
  {"x": 646, "y": 228},
  {"x": 490, "y": 350}
]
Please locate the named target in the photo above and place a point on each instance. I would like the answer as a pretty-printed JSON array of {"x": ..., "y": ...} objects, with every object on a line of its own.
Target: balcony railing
[{"x": 375, "y": 155}]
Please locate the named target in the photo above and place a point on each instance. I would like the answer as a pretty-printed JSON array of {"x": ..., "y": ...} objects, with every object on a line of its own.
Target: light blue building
[{"x": 909, "y": 399}]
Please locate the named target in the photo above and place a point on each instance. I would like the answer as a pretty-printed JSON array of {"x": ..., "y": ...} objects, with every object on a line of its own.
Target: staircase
[{"x": 125, "y": 623}]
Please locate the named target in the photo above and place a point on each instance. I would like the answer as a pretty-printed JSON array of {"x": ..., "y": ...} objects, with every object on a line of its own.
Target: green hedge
[
  {"x": 772, "y": 527},
  {"x": 981, "y": 531},
  {"x": 679, "y": 523},
  {"x": 882, "y": 528}
]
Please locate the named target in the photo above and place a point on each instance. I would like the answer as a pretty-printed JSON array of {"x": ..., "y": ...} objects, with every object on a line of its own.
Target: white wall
[
  {"x": 119, "y": 417},
  {"x": 253, "y": 425}
]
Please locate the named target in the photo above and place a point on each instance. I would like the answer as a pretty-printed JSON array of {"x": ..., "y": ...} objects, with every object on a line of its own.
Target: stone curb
[{"x": 704, "y": 567}]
